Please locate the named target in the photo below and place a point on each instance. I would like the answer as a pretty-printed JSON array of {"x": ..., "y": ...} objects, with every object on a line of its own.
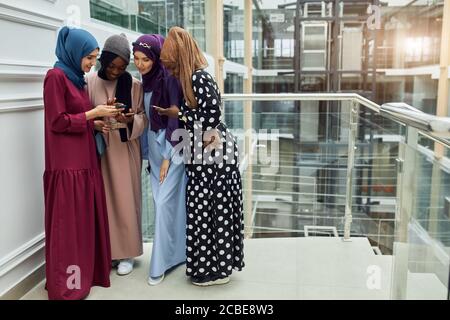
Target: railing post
[
  {"x": 353, "y": 128},
  {"x": 406, "y": 195}
]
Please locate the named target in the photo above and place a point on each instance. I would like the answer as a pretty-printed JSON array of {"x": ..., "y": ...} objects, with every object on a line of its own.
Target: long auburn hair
[{"x": 182, "y": 56}]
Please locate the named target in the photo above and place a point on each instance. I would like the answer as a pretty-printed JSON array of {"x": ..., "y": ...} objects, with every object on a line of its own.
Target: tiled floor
[
  {"x": 276, "y": 268},
  {"x": 425, "y": 286}
]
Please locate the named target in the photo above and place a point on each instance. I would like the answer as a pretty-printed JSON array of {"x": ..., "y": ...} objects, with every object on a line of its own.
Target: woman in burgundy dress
[{"x": 78, "y": 253}]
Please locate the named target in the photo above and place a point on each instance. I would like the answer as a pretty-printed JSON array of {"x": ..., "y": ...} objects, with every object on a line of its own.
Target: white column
[
  {"x": 248, "y": 54},
  {"x": 214, "y": 37}
]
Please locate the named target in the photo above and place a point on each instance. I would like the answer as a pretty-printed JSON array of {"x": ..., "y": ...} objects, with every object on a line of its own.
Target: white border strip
[{"x": 21, "y": 254}]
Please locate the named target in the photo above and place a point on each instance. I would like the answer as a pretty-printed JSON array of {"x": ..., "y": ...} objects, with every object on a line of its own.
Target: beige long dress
[{"x": 121, "y": 169}]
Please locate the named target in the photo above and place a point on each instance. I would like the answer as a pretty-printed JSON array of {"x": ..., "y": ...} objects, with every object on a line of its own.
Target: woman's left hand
[
  {"x": 171, "y": 112},
  {"x": 125, "y": 117},
  {"x": 163, "y": 170},
  {"x": 101, "y": 126}
]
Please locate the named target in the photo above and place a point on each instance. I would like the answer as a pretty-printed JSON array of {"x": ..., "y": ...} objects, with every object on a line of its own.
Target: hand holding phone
[
  {"x": 126, "y": 109},
  {"x": 171, "y": 112}
]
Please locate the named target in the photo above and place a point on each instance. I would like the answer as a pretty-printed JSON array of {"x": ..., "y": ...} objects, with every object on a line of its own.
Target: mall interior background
[{"x": 298, "y": 47}]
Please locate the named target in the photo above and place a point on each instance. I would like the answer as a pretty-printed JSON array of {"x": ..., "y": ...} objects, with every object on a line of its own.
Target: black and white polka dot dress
[{"x": 215, "y": 228}]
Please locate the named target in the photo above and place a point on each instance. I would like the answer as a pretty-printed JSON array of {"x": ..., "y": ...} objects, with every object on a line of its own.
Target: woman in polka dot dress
[{"x": 215, "y": 229}]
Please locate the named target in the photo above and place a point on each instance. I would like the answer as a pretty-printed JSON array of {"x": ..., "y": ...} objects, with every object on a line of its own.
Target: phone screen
[{"x": 123, "y": 106}]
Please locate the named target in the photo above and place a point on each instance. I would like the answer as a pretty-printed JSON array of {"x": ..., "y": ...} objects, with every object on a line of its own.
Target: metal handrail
[
  {"x": 432, "y": 128},
  {"x": 438, "y": 126}
]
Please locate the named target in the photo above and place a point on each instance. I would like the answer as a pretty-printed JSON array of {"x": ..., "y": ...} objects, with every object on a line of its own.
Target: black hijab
[{"x": 123, "y": 88}]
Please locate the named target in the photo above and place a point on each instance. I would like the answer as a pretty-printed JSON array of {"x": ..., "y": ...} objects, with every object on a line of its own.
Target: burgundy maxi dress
[{"x": 78, "y": 252}]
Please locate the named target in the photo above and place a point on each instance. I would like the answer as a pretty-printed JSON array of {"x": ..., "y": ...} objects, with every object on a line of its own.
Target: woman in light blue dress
[{"x": 167, "y": 172}]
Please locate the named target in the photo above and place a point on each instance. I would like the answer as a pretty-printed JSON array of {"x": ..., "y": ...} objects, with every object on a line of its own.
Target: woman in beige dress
[{"x": 121, "y": 159}]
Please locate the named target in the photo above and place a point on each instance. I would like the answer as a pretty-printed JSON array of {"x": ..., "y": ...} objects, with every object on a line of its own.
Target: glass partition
[
  {"x": 306, "y": 184},
  {"x": 400, "y": 192},
  {"x": 422, "y": 248},
  {"x": 153, "y": 16}
]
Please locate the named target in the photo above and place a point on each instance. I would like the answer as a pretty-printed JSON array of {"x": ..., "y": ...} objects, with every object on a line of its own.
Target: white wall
[{"x": 28, "y": 29}]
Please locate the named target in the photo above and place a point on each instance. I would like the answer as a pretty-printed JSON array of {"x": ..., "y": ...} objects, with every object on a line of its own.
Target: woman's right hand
[
  {"x": 171, "y": 112},
  {"x": 103, "y": 111},
  {"x": 102, "y": 126},
  {"x": 107, "y": 111}
]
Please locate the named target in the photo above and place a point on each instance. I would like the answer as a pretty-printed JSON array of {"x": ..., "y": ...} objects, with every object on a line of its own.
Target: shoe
[
  {"x": 210, "y": 281},
  {"x": 125, "y": 267},
  {"x": 154, "y": 281}
]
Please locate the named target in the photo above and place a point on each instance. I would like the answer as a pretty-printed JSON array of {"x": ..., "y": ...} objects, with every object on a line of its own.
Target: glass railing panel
[
  {"x": 299, "y": 184},
  {"x": 309, "y": 185},
  {"x": 308, "y": 188},
  {"x": 375, "y": 179},
  {"x": 296, "y": 182},
  {"x": 422, "y": 248}
]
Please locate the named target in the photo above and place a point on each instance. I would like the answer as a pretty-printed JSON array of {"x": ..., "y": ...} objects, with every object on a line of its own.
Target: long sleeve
[
  {"x": 59, "y": 119},
  {"x": 208, "y": 99},
  {"x": 166, "y": 150},
  {"x": 140, "y": 121}
]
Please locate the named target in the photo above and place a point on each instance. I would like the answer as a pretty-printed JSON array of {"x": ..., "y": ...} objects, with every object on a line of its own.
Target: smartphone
[{"x": 126, "y": 109}]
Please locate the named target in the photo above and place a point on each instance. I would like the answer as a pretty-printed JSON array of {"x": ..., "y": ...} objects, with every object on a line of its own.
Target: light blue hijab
[{"x": 72, "y": 46}]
